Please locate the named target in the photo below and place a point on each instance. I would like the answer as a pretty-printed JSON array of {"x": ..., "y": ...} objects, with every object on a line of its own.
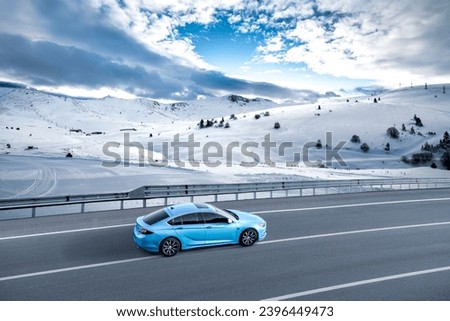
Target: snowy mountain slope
[
  {"x": 40, "y": 116},
  {"x": 37, "y": 124},
  {"x": 95, "y": 114},
  {"x": 304, "y": 125}
]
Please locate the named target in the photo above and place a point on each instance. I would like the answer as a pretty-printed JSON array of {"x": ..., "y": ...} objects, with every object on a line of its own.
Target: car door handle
[
  {"x": 179, "y": 228},
  {"x": 209, "y": 226}
]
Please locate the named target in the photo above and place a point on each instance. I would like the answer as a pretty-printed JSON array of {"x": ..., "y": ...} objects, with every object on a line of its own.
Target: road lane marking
[
  {"x": 66, "y": 231},
  {"x": 352, "y": 205},
  {"x": 358, "y": 283},
  {"x": 354, "y": 232},
  {"x": 74, "y": 268},
  {"x": 257, "y": 212}
]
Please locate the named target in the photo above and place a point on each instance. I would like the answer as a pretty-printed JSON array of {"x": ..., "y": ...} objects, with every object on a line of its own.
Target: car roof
[{"x": 186, "y": 208}]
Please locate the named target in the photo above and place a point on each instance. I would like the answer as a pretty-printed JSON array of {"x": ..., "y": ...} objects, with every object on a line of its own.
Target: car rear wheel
[
  {"x": 248, "y": 237},
  {"x": 170, "y": 246}
]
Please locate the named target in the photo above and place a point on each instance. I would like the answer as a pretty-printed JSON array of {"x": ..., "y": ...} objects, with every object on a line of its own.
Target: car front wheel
[
  {"x": 248, "y": 237},
  {"x": 170, "y": 246}
]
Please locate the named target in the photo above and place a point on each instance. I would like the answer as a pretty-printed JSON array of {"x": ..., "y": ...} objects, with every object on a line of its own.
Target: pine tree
[
  {"x": 446, "y": 140},
  {"x": 419, "y": 122},
  {"x": 445, "y": 159}
]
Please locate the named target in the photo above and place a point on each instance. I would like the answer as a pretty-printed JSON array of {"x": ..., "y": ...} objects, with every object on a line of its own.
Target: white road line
[
  {"x": 353, "y": 205},
  {"x": 65, "y": 231},
  {"x": 258, "y": 212},
  {"x": 358, "y": 283},
  {"x": 74, "y": 268},
  {"x": 355, "y": 232}
]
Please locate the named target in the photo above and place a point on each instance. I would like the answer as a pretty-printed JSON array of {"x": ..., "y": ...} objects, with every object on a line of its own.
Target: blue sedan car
[{"x": 192, "y": 225}]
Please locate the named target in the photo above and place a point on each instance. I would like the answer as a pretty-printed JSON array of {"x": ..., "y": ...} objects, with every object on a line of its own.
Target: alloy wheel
[
  {"x": 170, "y": 246},
  {"x": 249, "y": 237}
]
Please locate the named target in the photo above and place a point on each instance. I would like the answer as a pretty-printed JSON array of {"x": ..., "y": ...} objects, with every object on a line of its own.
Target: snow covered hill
[{"x": 238, "y": 141}]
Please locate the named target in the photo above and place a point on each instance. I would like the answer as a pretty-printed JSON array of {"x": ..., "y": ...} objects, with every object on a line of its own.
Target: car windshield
[
  {"x": 156, "y": 216},
  {"x": 226, "y": 213}
]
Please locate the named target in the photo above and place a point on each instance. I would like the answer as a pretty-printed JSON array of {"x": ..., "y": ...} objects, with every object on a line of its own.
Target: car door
[
  {"x": 218, "y": 229},
  {"x": 190, "y": 229}
]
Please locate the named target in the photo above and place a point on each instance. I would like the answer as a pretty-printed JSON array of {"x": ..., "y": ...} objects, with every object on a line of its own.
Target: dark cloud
[
  {"x": 48, "y": 64},
  {"x": 79, "y": 47},
  {"x": 43, "y": 63},
  {"x": 218, "y": 81}
]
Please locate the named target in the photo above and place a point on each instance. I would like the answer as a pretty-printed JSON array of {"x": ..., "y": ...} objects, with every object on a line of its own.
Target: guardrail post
[
  {"x": 144, "y": 202},
  {"x": 82, "y": 207},
  {"x": 121, "y": 204},
  {"x": 33, "y": 212}
]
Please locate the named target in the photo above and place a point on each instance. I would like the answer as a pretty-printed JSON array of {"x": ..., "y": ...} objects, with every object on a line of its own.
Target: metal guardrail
[{"x": 145, "y": 193}]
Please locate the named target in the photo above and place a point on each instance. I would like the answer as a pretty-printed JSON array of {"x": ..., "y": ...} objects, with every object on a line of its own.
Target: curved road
[{"x": 365, "y": 246}]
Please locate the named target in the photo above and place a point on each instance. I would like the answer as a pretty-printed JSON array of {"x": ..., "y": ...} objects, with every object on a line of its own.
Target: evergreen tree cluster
[
  {"x": 443, "y": 145},
  {"x": 214, "y": 122}
]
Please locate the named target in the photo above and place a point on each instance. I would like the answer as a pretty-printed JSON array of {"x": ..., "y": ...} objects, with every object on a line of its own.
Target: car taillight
[{"x": 144, "y": 231}]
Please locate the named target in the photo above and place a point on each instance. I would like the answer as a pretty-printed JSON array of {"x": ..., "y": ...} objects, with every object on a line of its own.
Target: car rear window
[{"x": 156, "y": 216}]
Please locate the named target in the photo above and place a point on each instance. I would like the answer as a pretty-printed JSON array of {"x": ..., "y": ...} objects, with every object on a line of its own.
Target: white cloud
[
  {"x": 154, "y": 23},
  {"x": 273, "y": 44},
  {"x": 308, "y": 30},
  {"x": 233, "y": 19},
  {"x": 388, "y": 41}
]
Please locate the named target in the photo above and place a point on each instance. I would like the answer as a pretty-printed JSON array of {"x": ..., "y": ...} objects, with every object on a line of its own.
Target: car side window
[
  {"x": 213, "y": 218},
  {"x": 176, "y": 221},
  {"x": 192, "y": 219}
]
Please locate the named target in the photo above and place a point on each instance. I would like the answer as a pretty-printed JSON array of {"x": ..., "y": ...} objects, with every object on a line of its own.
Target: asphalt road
[{"x": 365, "y": 246}]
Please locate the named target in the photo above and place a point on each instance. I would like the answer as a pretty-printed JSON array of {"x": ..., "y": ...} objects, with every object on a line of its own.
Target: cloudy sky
[{"x": 185, "y": 49}]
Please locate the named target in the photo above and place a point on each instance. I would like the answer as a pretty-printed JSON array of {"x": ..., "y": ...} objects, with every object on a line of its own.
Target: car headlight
[{"x": 262, "y": 224}]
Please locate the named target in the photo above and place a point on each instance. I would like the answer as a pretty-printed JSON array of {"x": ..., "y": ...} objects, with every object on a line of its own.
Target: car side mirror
[{"x": 230, "y": 221}]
